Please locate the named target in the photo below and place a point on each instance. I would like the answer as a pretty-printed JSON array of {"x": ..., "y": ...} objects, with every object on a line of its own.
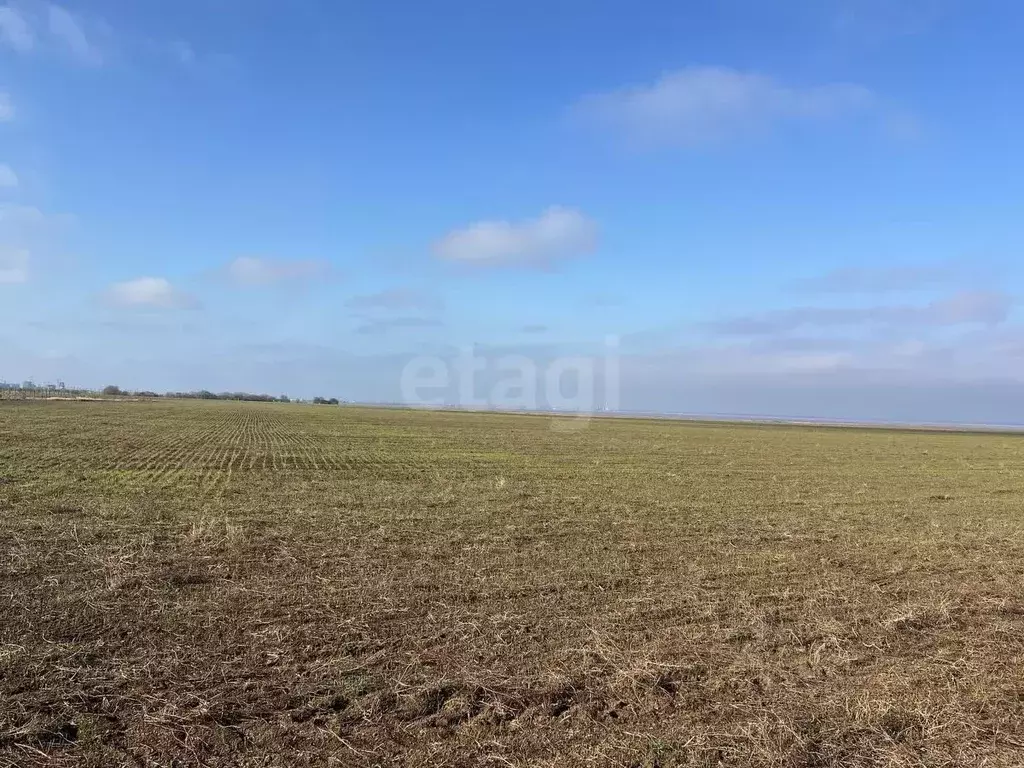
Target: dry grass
[{"x": 265, "y": 585}]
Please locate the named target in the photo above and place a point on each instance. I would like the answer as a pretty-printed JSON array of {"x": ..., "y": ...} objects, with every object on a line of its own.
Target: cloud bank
[{"x": 968, "y": 307}]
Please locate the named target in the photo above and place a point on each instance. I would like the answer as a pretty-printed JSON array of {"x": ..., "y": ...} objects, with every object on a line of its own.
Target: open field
[{"x": 280, "y": 585}]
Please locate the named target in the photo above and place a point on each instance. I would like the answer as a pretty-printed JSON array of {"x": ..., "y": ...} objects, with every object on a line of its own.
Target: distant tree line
[
  {"x": 30, "y": 389},
  {"x": 205, "y": 394},
  {"x": 112, "y": 390}
]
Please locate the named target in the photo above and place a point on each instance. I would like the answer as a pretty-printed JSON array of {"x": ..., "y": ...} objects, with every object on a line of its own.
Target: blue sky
[{"x": 806, "y": 208}]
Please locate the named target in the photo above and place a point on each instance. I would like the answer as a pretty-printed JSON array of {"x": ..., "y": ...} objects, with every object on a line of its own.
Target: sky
[{"x": 805, "y": 208}]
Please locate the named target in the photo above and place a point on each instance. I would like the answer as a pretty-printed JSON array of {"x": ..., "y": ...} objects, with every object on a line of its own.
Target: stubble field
[{"x": 284, "y": 585}]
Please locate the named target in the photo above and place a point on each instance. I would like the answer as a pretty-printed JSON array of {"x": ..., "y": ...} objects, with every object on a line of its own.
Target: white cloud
[
  {"x": 8, "y": 178},
  {"x": 149, "y": 293},
  {"x": 701, "y": 105},
  {"x": 69, "y": 31},
  {"x": 13, "y": 265},
  {"x": 6, "y": 108},
  {"x": 558, "y": 233},
  {"x": 254, "y": 270},
  {"x": 15, "y": 30}
]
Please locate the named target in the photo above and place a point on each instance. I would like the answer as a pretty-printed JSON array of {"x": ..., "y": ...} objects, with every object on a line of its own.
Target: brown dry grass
[{"x": 264, "y": 585}]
